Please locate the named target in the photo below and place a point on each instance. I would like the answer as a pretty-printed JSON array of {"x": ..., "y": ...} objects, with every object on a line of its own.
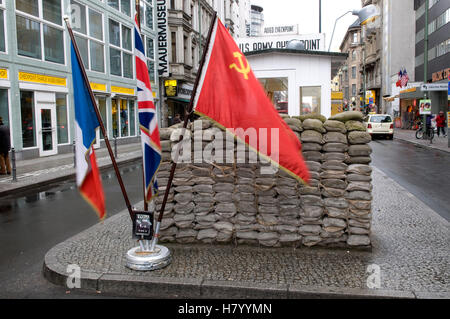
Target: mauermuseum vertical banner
[{"x": 163, "y": 38}]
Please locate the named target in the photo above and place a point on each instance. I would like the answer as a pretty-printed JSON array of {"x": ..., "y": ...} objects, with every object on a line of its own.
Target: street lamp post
[
  {"x": 367, "y": 14},
  {"x": 425, "y": 65}
]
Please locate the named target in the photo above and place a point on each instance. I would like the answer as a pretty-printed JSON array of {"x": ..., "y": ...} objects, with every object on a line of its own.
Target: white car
[{"x": 380, "y": 124}]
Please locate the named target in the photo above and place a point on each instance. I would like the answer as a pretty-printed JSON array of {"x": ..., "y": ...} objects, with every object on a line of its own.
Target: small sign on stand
[
  {"x": 143, "y": 225},
  {"x": 143, "y": 257}
]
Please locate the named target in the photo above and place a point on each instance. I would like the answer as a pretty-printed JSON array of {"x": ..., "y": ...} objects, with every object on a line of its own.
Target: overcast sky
[{"x": 305, "y": 13}]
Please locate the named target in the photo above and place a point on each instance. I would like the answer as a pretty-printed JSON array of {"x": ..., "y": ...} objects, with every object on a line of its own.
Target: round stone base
[{"x": 141, "y": 260}]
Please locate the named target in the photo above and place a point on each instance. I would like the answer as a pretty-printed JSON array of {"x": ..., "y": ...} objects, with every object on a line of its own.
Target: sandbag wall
[{"x": 221, "y": 202}]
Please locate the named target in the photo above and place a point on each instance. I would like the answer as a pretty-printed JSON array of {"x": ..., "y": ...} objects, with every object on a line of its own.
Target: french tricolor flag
[{"x": 86, "y": 122}]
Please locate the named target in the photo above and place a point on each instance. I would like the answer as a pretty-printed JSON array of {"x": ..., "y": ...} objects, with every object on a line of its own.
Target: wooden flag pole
[
  {"x": 186, "y": 120},
  {"x": 102, "y": 127}
]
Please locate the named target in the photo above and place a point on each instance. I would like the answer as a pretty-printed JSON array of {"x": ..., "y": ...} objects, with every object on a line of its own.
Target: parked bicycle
[{"x": 428, "y": 135}]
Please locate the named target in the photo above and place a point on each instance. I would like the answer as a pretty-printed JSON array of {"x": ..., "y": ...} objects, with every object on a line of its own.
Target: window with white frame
[
  {"x": 147, "y": 20},
  {"x": 150, "y": 50},
  {"x": 123, "y": 6},
  {"x": 40, "y": 33},
  {"x": 120, "y": 49},
  {"x": 2, "y": 27},
  {"x": 87, "y": 25}
]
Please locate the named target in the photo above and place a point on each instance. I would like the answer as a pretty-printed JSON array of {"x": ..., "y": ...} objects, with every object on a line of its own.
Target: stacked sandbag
[
  {"x": 333, "y": 184},
  {"x": 359, "y": 197},
  {"x": 359, "y": 188},
  {"x": 220, "y": 195}
]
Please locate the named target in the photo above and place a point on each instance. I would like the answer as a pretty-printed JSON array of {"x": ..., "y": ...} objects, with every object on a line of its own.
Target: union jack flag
[{"x": 151, "y": 145}]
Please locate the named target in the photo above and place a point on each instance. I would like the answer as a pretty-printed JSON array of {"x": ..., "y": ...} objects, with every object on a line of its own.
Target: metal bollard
[
  {"x": 115, "y": 146},
  {"x": 13, "y": 163},
  {"x": 74, "y": 155}
]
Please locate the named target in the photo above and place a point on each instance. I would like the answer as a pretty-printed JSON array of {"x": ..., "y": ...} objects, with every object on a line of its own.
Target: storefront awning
[
  {"x": 412, "y": 93},
  {"x": 390, "y": 98},
  {"x": 178, "y": 99}
]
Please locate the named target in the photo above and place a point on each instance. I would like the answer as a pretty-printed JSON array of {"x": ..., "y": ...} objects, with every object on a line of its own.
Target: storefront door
[
  {"x": 46, "y": 127},
  {"x": 97, "y": 131}
]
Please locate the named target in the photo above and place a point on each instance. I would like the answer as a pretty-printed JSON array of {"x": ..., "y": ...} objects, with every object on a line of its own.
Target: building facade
[
  {"x": 350, "y": 77},
  {"x": 36, "y": 99},
  {"x": 371, "y": 62},
  {"x": 189, "y": 22},
  {"x": 398, "y": 50}
]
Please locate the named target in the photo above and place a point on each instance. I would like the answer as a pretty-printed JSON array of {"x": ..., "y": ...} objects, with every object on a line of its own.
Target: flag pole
[
  {"x": 138, "y": 18},
  {"x": 102, "y": 127},
  {"x": 186, "y": 120}
]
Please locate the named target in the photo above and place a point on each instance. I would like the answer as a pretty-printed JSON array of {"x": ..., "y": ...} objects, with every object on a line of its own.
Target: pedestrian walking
[
  {"x": 5, "y": 147},
  {"x": 440, "y": 123}
]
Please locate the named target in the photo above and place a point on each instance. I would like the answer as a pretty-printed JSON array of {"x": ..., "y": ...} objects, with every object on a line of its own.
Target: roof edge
[{"x": 306, "y": 52}]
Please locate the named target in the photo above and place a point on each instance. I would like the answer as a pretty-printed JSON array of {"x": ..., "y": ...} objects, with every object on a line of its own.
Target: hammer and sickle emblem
[{"x": 245, "y": 70}]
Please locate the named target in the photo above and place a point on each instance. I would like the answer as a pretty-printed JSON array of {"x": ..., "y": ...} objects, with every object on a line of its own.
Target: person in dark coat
[{"x": 5, "y": 147}]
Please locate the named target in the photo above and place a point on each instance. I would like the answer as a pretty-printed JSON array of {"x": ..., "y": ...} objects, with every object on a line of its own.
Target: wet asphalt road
[
  {"x": 33, "y": 223},
  {"x": 423, "y": 172}
]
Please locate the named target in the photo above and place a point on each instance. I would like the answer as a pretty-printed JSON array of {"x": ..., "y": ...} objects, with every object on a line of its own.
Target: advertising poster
[{"x": 425, "y": 107}]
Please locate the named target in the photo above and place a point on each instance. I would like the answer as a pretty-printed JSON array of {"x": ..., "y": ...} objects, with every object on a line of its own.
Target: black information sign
[{"x": 143, "y": 225}]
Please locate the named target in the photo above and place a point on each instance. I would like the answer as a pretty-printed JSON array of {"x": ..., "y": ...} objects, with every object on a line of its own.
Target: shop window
[
  {"x": 61, "y": 119},
  {"x": 27, "y": 116},
  {"x": 132, "y": 119},
  {"x": 123, "y": 118},
  {"x": 31, "y": 17},
  {"x": 4, "y": 110},
  {"x": 121, "y": 46},
  {"x": 102, "y": 109},
  {"x": 115, "y": 118},
  {"x": 310, "y": 99},
  {"x": 87, "y": 25},
  {"x": 277, "y": 92}
]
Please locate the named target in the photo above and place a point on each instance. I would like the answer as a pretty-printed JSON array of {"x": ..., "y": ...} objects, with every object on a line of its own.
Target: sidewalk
[
  {"x": 410, "y": 250},
  {"x": 439, "y": 143},
  {"x": 45, "y": 170}
]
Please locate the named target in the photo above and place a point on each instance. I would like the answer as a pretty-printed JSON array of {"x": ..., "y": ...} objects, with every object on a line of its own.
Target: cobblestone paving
[{"x": 410, "y": 244}]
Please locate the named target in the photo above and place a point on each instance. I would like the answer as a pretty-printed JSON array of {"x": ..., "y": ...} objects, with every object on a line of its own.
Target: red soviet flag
[{"x": 229, "y": 94}]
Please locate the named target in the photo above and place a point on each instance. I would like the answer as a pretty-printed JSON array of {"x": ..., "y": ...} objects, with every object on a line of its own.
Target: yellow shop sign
[
  {"x": 43, "y": 79},
  {"x": 98, "y": 87},
  {"x": 122, "y": 90},
  {"x": 3, "y": 73}
]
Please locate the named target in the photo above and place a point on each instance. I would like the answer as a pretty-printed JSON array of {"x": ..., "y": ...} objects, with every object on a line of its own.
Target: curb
[
  {"x": 421, "y": 145},
  {"x": 199, "y": 288},
  {"x": 63, "y": 177}
]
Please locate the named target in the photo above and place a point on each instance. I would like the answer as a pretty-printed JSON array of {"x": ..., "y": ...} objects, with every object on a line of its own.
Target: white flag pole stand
[{"x": 148, "y": 256}]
